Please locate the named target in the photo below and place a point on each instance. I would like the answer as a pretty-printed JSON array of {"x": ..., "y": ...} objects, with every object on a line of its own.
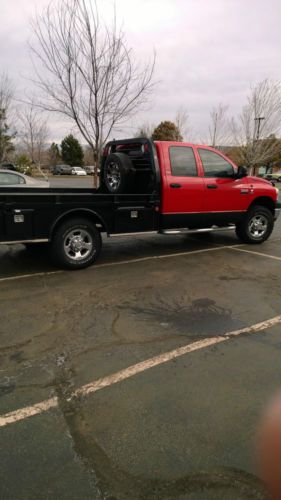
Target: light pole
[{"x": 259, "y": 119}]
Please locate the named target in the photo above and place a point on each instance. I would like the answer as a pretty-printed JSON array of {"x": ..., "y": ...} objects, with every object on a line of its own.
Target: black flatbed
[{"x": 33, "y": 213}]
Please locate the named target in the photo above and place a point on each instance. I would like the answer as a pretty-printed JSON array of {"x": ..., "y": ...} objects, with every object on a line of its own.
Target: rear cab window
[
  {"x": 215, "y": 165},
  {"x": 182, "y": 160}
]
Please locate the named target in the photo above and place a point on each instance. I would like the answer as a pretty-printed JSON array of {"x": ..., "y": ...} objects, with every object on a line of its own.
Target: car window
[
  {"x": 183, "y": 162},
  {"x": 8, "y": 178},
  {"x": 215, "y": 165}
]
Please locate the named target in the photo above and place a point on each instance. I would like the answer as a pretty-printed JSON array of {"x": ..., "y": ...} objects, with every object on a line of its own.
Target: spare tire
[{"x": 118, "y": 175}]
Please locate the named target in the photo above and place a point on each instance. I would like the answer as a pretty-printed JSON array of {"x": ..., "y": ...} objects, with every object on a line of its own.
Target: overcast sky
[{"x": 208, "y": 51}]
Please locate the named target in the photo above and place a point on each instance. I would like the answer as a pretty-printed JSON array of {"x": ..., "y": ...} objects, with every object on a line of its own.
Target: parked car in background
[
  {"x": 78, "y": 171},
  {"x": 275, "y": 176},
  {"x": 62, "y": 170},
  {"x": 15, "y": 179},
  {"x": 5, "y": 165},
  {"x": 90, "y": 170}
]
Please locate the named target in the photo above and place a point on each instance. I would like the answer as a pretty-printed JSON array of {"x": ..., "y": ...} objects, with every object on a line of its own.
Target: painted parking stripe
[
  {"x": 118, "y": 263},
  {"x": 170, "y": 355},
  {"x": 164, "y": 256},
  {"x": 260, "y": 254},
  {"x": 131, "y": 371},
  {"x": 31, "y": 275},
  {"x": 28, "y": 411}
]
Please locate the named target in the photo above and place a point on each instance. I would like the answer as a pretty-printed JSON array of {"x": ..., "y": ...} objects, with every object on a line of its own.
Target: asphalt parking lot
[
  {"x": 74, "y": 180},
  {"x": 143, "y": 376}
]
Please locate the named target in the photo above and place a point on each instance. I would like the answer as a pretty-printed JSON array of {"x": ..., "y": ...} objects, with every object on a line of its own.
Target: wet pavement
[{"x": 184, "y": 429}]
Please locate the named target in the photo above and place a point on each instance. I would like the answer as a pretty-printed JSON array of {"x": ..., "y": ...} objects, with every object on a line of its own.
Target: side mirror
[{"x": 241, "y": 172}]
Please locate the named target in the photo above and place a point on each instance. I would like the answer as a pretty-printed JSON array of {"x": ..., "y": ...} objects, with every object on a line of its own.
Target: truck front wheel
[
  {"x": 76, "y": 244},
  {"x": 256, "y": 226}
]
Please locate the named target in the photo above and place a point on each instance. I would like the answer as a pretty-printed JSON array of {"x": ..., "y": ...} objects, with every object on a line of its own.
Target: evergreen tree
[
  {"x": 71, "y": 151},
  {"x": 54, "y": 154},
  {"x": 166, "y": 131}
]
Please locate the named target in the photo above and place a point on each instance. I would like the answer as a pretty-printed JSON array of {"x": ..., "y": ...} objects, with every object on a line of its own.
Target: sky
[{"x": 207, "y": 52}]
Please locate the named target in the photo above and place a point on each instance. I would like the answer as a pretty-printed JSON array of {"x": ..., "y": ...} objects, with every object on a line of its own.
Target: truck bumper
[{"x": 277, "y": 210}]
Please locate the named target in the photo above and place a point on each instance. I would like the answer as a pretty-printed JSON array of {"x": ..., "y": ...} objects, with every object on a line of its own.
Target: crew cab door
[
  {"x": 182, "y": 188},
  {"x": 223, "y": 193}
]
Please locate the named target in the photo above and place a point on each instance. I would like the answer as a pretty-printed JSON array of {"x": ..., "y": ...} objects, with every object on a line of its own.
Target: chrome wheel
[
  {"x": 113, "y": 176},
  {"x": 258, "y": 226},
  {"x": 78, "y": 244}
]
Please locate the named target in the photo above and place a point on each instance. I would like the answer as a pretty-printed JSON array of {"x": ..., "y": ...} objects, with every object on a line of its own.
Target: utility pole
[{"x": 259, "y": 119}]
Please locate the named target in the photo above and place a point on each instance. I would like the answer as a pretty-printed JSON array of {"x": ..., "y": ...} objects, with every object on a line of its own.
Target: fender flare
[{"x": 91, "y": 214}]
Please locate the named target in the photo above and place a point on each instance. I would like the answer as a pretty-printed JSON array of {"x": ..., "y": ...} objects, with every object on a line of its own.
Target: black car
[
  {"x": 62, "y": 170},
  {"x": 5, "y": 165}
]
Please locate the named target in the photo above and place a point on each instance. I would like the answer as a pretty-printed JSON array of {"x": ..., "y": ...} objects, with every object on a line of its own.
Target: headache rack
[{"x": 142, "y": 154}]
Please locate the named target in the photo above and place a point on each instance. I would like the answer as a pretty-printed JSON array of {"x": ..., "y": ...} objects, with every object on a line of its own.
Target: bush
[
  {"x": 28, "y": 171},
  {"x": 23, "y": 164}
]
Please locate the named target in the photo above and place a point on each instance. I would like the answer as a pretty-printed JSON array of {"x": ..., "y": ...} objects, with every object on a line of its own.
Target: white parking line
[
  {"x": 31, "y": 275},
  {"x": 28, "y": 411},
  {"x": 119, "y": 263},
  {"x": 131, "y": 371},
  {"x": 164, "y": 256},
  {"x": 236, "y": 247}
]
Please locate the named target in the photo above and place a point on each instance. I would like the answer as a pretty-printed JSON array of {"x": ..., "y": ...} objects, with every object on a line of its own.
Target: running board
[{"x": 192, "y": 231}]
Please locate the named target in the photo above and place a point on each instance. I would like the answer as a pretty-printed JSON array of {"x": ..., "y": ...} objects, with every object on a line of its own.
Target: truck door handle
[
  {"x": 175, "y": 185},
  {"x": 212, "y": 186}
]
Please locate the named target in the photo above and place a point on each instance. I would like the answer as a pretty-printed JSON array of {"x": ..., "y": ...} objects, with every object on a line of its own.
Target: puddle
[{"x": 200, "y": 318}]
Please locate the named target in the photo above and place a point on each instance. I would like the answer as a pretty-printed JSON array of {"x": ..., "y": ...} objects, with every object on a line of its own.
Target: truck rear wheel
[
  {"x": 118, "y": 174},
  {"x": 76, "y": 244},
  {"x": 256, "y": 226}
]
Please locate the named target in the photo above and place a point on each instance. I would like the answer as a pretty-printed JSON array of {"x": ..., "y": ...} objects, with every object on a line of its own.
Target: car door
[
  {"x": 182, "y": 187},
  {"x": 224, "y": 193}
]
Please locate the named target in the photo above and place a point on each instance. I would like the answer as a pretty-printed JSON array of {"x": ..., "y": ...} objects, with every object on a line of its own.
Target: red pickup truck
[{"x": 165, "y": 187}]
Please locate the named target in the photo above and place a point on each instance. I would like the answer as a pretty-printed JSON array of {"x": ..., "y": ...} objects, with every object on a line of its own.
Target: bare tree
[
  {"x": 6, "y": 97},
  {"x": 88, "y": 73},
  {"x": 219, "y": 131},
  {"x": 34, "y": 133},
  {"x": 182, "y": 123},
  {"x": 255, "y": 129},
  {"x": 145, "y": 130},
  {"x": 7, "y": 90}
]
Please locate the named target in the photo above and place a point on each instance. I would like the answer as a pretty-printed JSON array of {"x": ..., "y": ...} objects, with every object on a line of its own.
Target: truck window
[
  {"x": 215, "y": 165},
  {"x": 183, "y": 162}
]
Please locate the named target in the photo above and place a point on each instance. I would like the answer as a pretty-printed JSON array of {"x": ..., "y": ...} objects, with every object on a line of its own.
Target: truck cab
[
  {"x": 198, "y": 186},
  {"x": 201, "y": 186}
]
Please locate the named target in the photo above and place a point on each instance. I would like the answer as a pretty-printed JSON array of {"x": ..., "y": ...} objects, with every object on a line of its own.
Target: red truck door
[
  {"x": 223, "y": 192},
  {"x": 182, "y": 186}
]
